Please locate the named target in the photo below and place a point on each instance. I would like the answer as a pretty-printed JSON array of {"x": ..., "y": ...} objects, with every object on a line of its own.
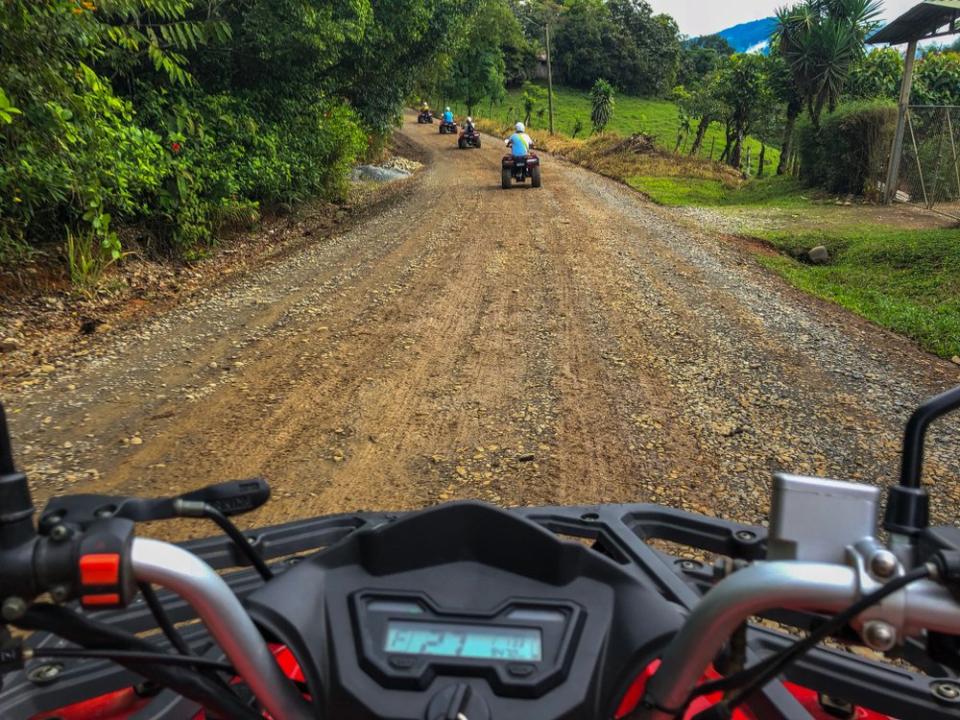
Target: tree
[
  {"x": 699, "y": 57},
  {"x": 620, "y": 40},
  {"x": 821, "y": 41},
  {"x": 784, "y": 91},
  {"x": 702, "y": 102},
  {"x": 937, "y": 79},
  {"x": 602, "y": 103},
  {"x": 878, "y": 74},
  {"x": 479, "y": 70},
  {"x": 742, "y": 87}
]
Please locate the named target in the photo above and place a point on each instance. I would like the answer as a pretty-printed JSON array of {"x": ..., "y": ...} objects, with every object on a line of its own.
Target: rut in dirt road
[{"x": 571, "y": 344}]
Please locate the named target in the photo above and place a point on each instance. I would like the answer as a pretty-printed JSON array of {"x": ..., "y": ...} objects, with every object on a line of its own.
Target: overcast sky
[{"x": 702, "y": 17}]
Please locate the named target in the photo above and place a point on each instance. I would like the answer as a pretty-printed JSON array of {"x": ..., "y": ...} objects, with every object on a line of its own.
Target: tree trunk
[
  {"x": 701, "y": 133},
  {"x": 787, "y": 146},
  {"x": 763, "y": 159},
  {"x": 726, "y": 148},
  {"x": 736, "y": 155}
]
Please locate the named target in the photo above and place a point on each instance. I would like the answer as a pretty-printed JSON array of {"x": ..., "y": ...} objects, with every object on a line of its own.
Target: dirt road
[{"x": 571, "y": 344}]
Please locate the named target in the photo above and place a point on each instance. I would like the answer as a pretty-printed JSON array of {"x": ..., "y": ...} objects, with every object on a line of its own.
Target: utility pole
[{"x": 549, "y": 78}]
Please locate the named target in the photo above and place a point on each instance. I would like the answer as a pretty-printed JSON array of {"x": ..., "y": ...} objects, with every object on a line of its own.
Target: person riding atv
[
  {"x": 425, "y": 115},
  {"x": 519, "y": 143},
  {"x": 447, "y": 123},
  {"x": 469, "y": 136},
  {"x": 520, "y": 164}
]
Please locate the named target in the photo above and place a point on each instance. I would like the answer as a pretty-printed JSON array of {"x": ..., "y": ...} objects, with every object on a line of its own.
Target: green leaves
[
  {"x": 7, "y": 110},
  {"x": 821, "y": 40},
  {"x": 602, "y": 104}
]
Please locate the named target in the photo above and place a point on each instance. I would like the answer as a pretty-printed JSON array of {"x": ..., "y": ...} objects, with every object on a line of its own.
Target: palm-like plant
[{"x": 820, "y": 40}]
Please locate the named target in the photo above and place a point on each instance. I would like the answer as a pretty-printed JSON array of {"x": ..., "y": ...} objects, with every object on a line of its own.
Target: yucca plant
[
  {"x": 821, "y": 40},
  {"x": 602, "y": 102}
]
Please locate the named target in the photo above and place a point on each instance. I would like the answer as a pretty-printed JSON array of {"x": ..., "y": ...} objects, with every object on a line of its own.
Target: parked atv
[
  {"x": 469, "y": 138},
  {"x": 448, "y": 128},
  {"x": 519, "y": 169},
  {"x": 425, "y": 117}
]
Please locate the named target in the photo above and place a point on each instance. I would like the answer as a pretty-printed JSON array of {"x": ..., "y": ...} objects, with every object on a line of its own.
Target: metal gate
[{"x": 929, "y": 166}]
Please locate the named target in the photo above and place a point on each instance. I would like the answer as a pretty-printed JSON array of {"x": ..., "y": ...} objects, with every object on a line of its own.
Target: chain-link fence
[{"x": 929, "y": 167}]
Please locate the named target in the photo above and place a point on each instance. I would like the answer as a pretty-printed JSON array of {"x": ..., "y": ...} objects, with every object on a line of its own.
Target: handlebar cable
[
  {"x": 170, "y": 630},
  {"x": 118, "y": 655},
  {"x": 163, "y": 620},
  {"x": 198, "y": 509},
  {"x": 765, "y": 671},
  {"x": 88, "y": 633}
]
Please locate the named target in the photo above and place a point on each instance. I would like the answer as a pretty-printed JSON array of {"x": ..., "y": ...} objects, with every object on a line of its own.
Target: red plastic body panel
[{"x": 122, "y": 705}]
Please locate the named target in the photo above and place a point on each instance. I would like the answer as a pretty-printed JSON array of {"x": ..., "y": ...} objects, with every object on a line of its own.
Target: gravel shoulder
[{"x": 573, "y": 344}]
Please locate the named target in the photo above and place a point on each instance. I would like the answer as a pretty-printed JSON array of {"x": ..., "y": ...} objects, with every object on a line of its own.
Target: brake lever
[{"x": 80, "y": 511}]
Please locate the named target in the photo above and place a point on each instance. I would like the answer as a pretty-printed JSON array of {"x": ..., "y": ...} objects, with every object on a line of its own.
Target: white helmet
[
  {"x": 469, "y": 119},
  {"x": 447, "y": 108},
  {"x": 520, "y": 127}
]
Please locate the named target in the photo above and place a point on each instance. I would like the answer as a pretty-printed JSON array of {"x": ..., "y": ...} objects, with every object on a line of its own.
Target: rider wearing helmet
[
  {"x": 447, "y": 115},
  {"x": 519, "y": 143},
  {"x": 469, "y": 126},
  {"x": 424, "y": 106}
]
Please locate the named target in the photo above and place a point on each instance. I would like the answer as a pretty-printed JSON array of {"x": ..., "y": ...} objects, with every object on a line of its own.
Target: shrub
[{"x": 847, "y": 153}]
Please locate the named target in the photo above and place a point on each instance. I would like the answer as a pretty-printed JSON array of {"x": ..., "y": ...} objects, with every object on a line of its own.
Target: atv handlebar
[
  {"x": 225, "y": 617},
  {"x": 925, "y": 605}
]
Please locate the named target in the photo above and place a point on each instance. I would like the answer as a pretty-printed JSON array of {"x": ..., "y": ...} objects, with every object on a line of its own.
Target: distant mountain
[{"x": 752, "y": 36}]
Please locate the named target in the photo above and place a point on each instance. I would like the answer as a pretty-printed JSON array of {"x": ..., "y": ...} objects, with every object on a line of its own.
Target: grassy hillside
[
  {"x": 632, "y": 114},
  {"x": 905, "y": 280}
]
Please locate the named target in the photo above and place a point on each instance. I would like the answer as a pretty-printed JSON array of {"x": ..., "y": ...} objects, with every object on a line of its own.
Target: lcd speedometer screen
[{"x": 479, "y": 642}]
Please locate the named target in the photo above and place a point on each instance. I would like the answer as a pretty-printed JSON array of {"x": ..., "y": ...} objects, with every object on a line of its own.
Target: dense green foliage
[
  {"x": 620, "y": 40},
  {"x": 845, "y": 153},
  {"x": 184, "y": 115},
  {"x": 936, "y": 77}
]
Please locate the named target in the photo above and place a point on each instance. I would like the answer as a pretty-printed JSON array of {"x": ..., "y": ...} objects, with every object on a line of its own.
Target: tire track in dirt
[{"x": 570, "y": 345}]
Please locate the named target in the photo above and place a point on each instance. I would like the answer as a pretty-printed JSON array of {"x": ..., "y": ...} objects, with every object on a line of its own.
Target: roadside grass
[
  {"x": 658, "y": 118},
  {"x": 895, "y": 275},
  {"x": 904, "y": 280},
  {"x": 676, "y": 190}
]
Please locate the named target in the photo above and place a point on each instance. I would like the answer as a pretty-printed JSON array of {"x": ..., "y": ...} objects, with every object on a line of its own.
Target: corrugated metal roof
[{"x": 919, "y": 22}]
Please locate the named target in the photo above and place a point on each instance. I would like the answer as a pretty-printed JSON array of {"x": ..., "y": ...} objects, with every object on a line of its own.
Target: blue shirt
[
  {"x": 448, "y": 117},
  {"x": 520, "y": 144}
]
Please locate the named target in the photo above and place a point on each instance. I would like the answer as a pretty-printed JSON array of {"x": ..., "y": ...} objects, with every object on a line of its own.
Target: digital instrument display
[{"x": 479, "y": 642}]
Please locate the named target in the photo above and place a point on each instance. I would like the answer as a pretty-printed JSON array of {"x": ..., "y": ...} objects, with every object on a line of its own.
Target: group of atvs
[{"x": 513, "y": 168}]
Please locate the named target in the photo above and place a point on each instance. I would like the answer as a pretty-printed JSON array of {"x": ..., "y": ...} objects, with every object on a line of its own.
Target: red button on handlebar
[
  {"x": 100, "y": 569},
  {"x": 105, "y": 599}
]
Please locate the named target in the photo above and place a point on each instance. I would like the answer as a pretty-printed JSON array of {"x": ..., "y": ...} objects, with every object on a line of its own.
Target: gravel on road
[{"x": 572, "y": 344}]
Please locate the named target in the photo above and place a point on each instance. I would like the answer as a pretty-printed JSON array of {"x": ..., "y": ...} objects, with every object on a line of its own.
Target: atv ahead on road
[
  {"x": 448, "y": 128},
  {"x": 469, "y": 139},
  {"x": 425, "y": 117},
  {"x": 519, "y": 169},
  {"x": 472, "y": 612}
]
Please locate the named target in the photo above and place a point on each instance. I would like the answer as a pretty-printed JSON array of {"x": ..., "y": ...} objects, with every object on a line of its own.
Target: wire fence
[{"x": 929, "y": 167}]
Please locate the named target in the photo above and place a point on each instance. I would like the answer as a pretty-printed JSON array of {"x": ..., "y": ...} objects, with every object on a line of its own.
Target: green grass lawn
[
  {"x": 905, "y": 280},
  {"x": 631, "y": 114},
  {"x": 770, "y": 191}
]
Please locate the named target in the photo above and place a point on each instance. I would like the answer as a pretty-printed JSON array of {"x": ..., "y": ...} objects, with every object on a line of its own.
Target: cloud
[{"x": 702, "y": 17}]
